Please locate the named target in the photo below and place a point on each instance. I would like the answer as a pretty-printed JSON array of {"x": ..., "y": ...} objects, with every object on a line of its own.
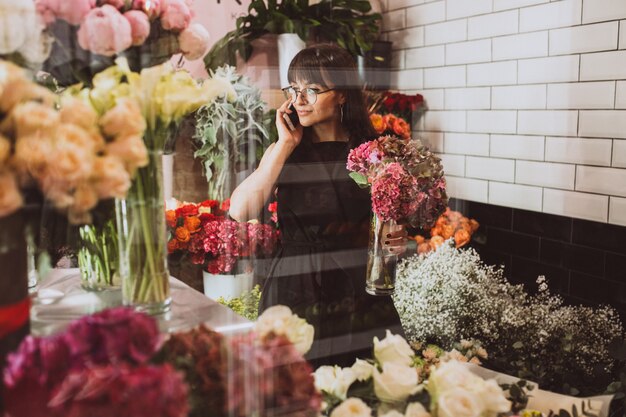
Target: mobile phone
[{"x": 292, "y": 118}]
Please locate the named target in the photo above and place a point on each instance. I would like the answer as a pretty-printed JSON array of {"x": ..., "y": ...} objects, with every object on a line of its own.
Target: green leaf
[{"x": 360, "y": 179}]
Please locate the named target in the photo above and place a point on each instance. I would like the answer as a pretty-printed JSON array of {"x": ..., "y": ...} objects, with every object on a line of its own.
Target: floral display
[
  {"x": 390, "y": 125},
  {"x": 111, "y": 27},
  {"x": 406, "y": 180},
  {"x": 391, "y": 385},
  {"x": 23, "y": 39},
  {"x": 73, "y": 155},
  {"x": 203, "y": 232},
  {"x": 229, "y": 129},
  {"x": 451, "y": 224},
  {"x": 451, "y": 295}
]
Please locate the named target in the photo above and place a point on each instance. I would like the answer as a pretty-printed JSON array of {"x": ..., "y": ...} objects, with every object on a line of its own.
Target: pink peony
[
  {"x": 152, "y": 8},
  {"x": 175, "y": 15},
  {"x": 194, "y": 41},
  {"x": 118, "y": 4},
  {"x": 105, "y": 31},
  {"x": 71, "y": 11},
  {"x": 139, "y": 26}
]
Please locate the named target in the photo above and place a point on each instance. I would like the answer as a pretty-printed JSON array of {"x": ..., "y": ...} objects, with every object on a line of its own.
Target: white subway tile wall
[{"x": 526, "y": 98}]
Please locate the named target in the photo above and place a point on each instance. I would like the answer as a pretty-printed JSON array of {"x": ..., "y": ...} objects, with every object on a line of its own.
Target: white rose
[
  {"x": 393, "y": 348},
  {"x": 395, "y": 383},
  {"x": 362, "y": 370},
  {"x": 392, "y": 413},
  {"x": 416, "y": 410},
  {"x": 493, "y": 398},
  {"x": 334, "y": 380},
  {"x": 281, "y": 321},
  {"x": 451, "y": 375},
  {"x": 458, "y": 402},
  {"x": 352, "y": 407}
]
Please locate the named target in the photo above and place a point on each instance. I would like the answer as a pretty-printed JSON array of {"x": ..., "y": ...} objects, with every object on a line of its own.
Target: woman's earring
[{"x": 341, "y": 109}]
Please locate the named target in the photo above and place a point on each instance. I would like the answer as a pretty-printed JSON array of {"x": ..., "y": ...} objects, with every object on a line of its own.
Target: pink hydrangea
[
  {"x": 105, "y": 31},
  {"x": 139, "y": 26},
  {"x": 175, "y": 15},
  {"x": 152, "y": 8},
  {"x": 363, "y": 157},
  {"x": 393, "y": 193},
  {"x": 194, "y": 41}
]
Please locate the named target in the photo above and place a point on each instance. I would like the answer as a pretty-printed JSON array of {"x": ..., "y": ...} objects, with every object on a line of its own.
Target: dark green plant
[{"x": 345, "y": 22}]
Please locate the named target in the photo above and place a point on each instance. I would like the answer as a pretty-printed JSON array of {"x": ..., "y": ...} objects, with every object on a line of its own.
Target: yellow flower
[{"x": 177, "y": 95}]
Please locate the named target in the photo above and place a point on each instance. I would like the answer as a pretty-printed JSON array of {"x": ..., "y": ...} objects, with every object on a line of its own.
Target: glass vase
[
  {"x": 143, "y": 240},
  {"x": 381, "y": 264},
  {"x": 98, "y": 256}
]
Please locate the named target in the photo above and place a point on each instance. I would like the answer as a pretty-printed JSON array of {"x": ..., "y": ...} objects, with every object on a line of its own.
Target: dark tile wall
[{"x": 584, "y": 261}]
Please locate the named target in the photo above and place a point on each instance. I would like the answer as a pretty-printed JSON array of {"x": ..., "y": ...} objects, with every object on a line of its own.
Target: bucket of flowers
[{"x": 226, "y": 249}]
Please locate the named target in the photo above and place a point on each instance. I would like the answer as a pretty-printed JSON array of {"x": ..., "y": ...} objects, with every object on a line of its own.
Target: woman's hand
[
  {"x": 286, "y": 135},
  {"x": 395, "y": 240}
]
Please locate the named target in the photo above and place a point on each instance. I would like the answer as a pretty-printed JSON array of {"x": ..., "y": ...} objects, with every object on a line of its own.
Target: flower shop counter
[{"x": 61, "y": 299}]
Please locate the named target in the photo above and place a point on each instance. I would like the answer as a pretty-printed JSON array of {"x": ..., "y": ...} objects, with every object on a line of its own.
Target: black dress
[{"x": 319, "y": 271}]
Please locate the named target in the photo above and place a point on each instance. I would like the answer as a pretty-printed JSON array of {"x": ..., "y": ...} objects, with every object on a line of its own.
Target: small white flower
[
  {"x": 352, "y": 407},
  {"x": 394, "y": 349}
]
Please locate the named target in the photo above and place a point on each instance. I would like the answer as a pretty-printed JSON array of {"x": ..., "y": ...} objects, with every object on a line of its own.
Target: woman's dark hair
[{"x": 326, "y": 64}]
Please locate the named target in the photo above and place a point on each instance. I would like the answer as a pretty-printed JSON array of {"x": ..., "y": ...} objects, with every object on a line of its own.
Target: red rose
[{"x": 187, "y": 210}]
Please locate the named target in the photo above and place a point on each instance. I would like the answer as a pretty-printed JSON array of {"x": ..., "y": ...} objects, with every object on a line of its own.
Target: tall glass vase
[
  {"x": 381, "y": 264},
  {"x": 143, "y": 240},
  {"x": 98, "y": 256}
]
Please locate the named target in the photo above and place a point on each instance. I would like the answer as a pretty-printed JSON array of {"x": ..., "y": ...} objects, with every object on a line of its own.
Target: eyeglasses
[{"x": 308, "y": 94}]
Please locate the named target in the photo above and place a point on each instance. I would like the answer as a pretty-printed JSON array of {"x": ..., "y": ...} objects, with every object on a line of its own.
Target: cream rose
[
  {"x": 493, "y": 398},
  {"x": 31, "y": 117},
  {"x": 123, "y": 119},
  {"x": 458, "y": 402},
  {"x": 5, "y": 150},
  {"x": 352, "y": 407},
  {"x": 395, "y": 383},
  {"x": 362, "y": 370},
  {"x": 334, "y": 380},
  {"x": 110, "y": 178},
  {"x": 31, "y": 155},
  {"x": 416, "y": 410},
  {"x": 451, "y": 375},
  {"x": 69, "y": 161},
  {"x": 280, "y": 320},
  {"x": 10, "y": 196},
  {"x": 130, "y": 149},
  {"x": 393, "y": 349},
  {"x": 79, "y": 113},
  {"x": 23, "y": 90}
]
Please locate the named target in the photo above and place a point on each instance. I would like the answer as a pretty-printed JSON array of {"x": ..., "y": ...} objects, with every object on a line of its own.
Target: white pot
[
  {"x": 289, "y": 44},
  {"x": 227, "y": 286}
]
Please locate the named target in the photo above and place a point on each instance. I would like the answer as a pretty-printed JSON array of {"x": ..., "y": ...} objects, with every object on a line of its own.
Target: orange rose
[
  {"x": 436, "y": 241},
  {"x": 461, "y": 237},
  {"x": 448, "y": 231},
  {"x": 474, "y": 225},
  {"x": 378, "y": 123},
  {"x": 170, "y": 218},
  {"x": 401, "y": 128},
  {"x": 182, "y": 234},
  {"x": 388, "y": 119},
  {"x": 436, "y": 231},
  {"x": 419, "y": 239},
  {"x": 423, "y": 248},
  {"x": 192, "y": 223}
]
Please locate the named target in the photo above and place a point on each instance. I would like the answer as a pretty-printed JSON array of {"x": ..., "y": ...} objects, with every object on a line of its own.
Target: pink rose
[
  {"x": 105, "y": 31},
  {"x": 139, "y": 26},
  {"x": 71, "y": 11},
  {"x": 175, "y": 15},
  {"x": 194, "y": 41},
  {"x": 150, "y": 7}
]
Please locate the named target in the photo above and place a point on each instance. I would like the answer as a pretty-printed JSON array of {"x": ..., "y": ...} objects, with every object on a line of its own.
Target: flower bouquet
[
  {"x": 90, "y": 33},
  {"x": 451, "y": 224},
  {"x": 407, "y": 187},
  {"x": 390, "y": 125},
  {"x": 165, "y": 97},
  {"x": 223, "y": 247},
  {"x": 398, "y": 104}
]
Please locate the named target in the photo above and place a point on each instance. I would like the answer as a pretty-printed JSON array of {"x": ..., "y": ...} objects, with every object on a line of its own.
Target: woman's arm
[{"x": 247, "y": 200}]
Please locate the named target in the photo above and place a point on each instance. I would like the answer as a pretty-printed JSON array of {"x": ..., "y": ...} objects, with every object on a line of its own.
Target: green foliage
[
  {"x": 247, "y": 305},
  {"x": 342, "y": 21},
  {"x": 231, "y": 135}
]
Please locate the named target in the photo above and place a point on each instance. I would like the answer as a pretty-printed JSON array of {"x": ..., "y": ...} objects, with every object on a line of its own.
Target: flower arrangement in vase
[
  {"x": 407, "y": 187},
  {"x": 223, "y": 247},
  {"x": 90, "y": 33}
]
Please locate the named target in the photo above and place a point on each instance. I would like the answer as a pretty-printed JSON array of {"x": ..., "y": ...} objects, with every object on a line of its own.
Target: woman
[{"x": 323, "y": 215}]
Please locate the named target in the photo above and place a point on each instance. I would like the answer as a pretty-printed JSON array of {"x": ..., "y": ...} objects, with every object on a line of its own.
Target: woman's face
[{"x": 324, "y": 109}]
